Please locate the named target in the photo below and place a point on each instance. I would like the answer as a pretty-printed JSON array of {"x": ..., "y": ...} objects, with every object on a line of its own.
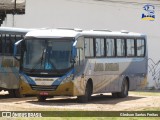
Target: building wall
[{"x": 91, "y": 14}]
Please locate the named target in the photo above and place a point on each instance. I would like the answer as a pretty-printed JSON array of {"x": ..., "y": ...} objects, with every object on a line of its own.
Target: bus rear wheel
[
  {"x": 15, "y": 93},
  {"x": 41, "y": 98},
  {"x": 11, "y": 93},
  {"x": 115, "y": 95},
  {"x": 88, "y": 92},
  {"x": 124, "y": 89},
  {"x": 18, "y": 93}
]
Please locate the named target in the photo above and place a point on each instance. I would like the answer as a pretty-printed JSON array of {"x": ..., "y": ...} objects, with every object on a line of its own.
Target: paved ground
[{"x": 99, "y": 102}]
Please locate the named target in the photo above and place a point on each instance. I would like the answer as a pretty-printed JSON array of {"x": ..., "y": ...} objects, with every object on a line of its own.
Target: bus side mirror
[
  {"x": 15, "y": 49},
  {"x": 73, "y": 61}
]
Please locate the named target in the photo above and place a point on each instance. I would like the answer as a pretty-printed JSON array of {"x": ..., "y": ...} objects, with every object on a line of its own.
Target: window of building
[{"x": 110, "y": 47}]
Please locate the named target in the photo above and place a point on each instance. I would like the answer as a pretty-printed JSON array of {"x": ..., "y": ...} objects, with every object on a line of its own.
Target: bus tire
[
  {"x": 18, "y": 94},
  {"x": 124, "y": 89},
  {"x": 88, "y": 92},
  {"x": 11, "y": 93},
  {"x": 15, "y": 93},
  {"x": 41, "y": 98},
  {"x": 115, "y": 95}
]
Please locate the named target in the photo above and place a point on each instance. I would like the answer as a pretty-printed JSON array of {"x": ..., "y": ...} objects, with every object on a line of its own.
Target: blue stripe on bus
[
  {"x": 74, "y": 53},
  {"x": 29, "y": 80},
  {"x": 59, "y": 80}
]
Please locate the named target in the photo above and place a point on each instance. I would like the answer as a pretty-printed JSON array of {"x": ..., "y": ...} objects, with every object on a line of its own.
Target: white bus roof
[
  {"x": 59, "y": 33},
  {"x": 14, "y": 31},
  {"x": 52, "y": 33}
]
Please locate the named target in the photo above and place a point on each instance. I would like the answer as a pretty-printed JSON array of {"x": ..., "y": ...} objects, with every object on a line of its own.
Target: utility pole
[{"x": 15, "y": 7}]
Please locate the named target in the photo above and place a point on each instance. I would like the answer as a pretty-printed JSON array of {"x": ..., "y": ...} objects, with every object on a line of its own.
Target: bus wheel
[
  {"x": 114, "y": 95},
  {"x": 18, "y": 94},
  {"x": 11, "y": 93},
  {"x": 15, "y": 93},
  {"x": 124, "y": 89},
  {"x": 88, "y": 92},
  {"x": 41, "y": 98}
]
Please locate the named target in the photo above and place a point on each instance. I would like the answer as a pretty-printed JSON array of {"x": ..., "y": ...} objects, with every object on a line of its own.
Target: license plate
[{"x": 43, "y": 93}]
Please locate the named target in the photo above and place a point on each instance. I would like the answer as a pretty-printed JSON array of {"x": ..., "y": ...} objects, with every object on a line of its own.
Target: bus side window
[
  {"x": 80, "y": 56},
  {"x": 17, "y": 38},
  {"x": 130, "y": 48},
  {"x": 99, "y": 47},
  {"x": 110, "y": 47},
  {"x": 8, "y": 45},
  {"x": 140, "y": 47},
  {"x": 88, "y": 47},
  {"x": 80, "y": 51},
  {"x": 3, "y": 44},
  {"x": 120, "y": 47}
]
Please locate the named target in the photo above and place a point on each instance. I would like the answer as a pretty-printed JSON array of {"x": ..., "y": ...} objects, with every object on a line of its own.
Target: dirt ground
[{"x": 103, "y": 102}]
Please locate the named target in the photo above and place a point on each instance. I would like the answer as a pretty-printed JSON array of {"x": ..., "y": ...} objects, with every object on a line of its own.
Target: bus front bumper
[{"x": 65, "y": 89}]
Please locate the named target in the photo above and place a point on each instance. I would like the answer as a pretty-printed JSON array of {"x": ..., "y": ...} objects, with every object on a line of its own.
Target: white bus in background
[
  {"x": 9, "y": 67},
  {"x": 72, "y": 62}
]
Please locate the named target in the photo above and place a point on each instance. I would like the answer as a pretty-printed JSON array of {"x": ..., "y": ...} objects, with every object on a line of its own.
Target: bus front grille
[{"x": 44, "y": 88}]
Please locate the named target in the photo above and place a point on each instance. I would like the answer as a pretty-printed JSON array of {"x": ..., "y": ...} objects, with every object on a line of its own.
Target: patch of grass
[
  {"x": 65, "y": 118},
  {"x": 96, "y": 118},
  {"x": 146, "y": 93},
  {"x": 92, "y": 118},
  {"x": 152, "y": 109}
]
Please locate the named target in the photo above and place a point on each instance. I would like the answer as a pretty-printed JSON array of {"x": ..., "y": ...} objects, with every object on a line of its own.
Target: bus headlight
[{"x": 68, "y": 78}]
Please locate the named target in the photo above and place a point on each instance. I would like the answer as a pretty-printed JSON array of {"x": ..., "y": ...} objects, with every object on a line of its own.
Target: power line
[
  {"x": 114, "y": 1},
  {"x": 123, "y": 4},
  {"x": 128, "y": 2}
]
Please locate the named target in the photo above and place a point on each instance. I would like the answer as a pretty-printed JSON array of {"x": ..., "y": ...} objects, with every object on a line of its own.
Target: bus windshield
[{"x": 49, "y": 56}]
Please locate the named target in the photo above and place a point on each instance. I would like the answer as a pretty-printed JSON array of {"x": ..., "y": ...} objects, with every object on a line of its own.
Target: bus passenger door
[
  {"x": 80, "y": 55},
  {"x": 80, "y": 66}
]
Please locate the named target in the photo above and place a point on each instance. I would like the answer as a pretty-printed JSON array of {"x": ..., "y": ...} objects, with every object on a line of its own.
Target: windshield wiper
[
  {"x": 39, "y": 61},
  {"x": 42, "y": 58}
]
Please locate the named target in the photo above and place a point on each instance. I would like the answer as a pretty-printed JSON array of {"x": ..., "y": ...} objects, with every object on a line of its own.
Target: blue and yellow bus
[{"x": 74, "y": 62}]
